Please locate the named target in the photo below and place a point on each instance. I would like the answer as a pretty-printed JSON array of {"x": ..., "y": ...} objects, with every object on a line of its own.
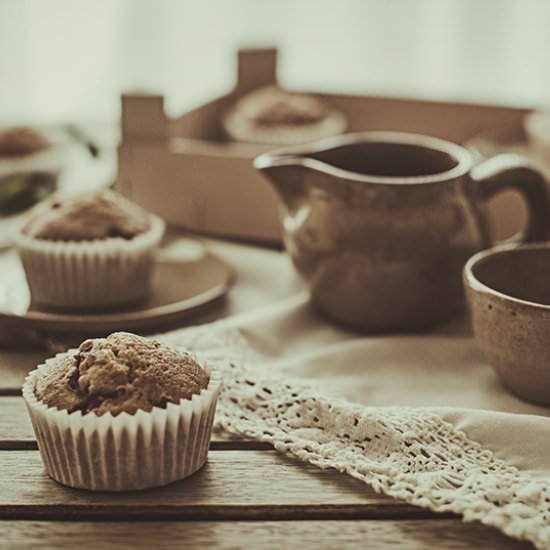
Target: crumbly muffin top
[
  {"x": 99, "y": 215},
  {"x": 21, "y": 141},
  {"x": 120, "y": 373},
  {"x": 271, "y": 106}
]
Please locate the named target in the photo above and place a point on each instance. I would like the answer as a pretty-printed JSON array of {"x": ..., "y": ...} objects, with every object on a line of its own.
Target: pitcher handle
[{"x": 515, "y": 172}]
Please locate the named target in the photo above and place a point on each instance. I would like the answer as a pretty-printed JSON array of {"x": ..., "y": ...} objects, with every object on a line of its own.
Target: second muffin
[
  {"x": 89, "y": 251},
  {"x": 273, "y": 116}
]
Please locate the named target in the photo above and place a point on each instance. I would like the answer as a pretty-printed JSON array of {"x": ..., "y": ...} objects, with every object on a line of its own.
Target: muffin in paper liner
[
  {"x": 241, "y": 122},
  {"x": 242, "y": 130},
  {"x": 124, "y": 452},
  {"x": 90, "y": 274}
]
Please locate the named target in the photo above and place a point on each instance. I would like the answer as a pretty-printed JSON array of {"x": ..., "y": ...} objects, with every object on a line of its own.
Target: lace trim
[{"x": 408, "y": 453}]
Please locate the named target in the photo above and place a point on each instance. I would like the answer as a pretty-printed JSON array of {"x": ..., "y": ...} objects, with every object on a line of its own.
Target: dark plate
[{"x": 187, "y": 280}]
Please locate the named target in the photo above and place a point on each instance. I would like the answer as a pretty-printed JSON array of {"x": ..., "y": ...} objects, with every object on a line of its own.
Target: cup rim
[
  {"x": 296, "y": 155},
  {"x": 475, "y": 284}
]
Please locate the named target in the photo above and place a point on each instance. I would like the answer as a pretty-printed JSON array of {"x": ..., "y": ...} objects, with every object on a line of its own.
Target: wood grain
[
  {"x": 233, "y": 485},
  {"x": 451, "y": 534},
  {"x": 15, "y": 425},
  {"x": 16, "y": 430}
]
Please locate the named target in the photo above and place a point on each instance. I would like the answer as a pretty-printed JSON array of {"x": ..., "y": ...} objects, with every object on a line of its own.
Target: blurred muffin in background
[
  {"x": 25, "y": 177},
  {"x": 272, "y": 116},
  {"x": 89, "y": 251},
  {"x": 92, "y": 216},
  {"x": 19, "y": 141}
]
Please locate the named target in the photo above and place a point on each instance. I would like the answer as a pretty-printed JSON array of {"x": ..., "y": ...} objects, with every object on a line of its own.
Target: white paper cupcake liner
[
  {"x": 124, "y": 452},
  {"x": 90, "y": 274}
]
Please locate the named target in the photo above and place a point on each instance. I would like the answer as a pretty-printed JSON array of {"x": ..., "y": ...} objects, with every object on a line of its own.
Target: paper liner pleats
[
  {"x": 90, "y": 274},
  {"x": 123, "y": 452}
]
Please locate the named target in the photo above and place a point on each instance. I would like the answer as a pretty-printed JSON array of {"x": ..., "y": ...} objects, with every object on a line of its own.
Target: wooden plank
[
  {"x": 15, "y": 425},
  {"x": 233, "y": 485},
  {"x": 451, "y": 534},
  {"x": 16, "y": 430}
]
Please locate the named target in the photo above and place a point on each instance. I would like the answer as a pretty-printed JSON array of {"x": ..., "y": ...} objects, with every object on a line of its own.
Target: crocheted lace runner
[{"x": 408, "y": 453}]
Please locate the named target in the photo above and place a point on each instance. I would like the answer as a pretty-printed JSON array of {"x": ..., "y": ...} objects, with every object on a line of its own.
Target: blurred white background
[{"x": 63, "y": 60}]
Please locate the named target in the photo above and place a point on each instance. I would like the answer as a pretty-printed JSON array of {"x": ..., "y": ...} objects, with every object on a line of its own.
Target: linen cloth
[{"x": 421, "y": 417}]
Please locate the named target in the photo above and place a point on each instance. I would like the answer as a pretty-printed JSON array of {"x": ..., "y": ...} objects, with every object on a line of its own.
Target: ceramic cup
[
  {"x": 509, "y": 299},
  {"x": 380, "y": 224}
]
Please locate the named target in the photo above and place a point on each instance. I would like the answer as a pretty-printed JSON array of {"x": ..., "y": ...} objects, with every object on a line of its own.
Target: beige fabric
[
  {"x": 519, "y": 439},
  {"x": 441, "y": 368},
  {"x": 480, "y": 463},
  {"x": 444, "y": 369}
]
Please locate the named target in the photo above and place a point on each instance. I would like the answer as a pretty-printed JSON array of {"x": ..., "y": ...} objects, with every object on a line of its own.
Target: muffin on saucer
[
  {"x": 89, "y": 251},
  {"x": 273, "y": 116},
  {"x": 127, "y": 413}
]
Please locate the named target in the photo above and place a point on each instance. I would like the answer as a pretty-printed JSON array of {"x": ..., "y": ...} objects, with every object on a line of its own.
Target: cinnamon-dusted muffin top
[
  {"x": 271, "y": 106},
  {"x": 120, "y": 373},
  {"x": 98, "y": 215},
  {"x": 21, "y": 141}
]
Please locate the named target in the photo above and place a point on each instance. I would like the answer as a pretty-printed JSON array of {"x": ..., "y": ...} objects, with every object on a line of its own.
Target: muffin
[
  {"x": 122, "y": 413},
  {"x": 30, "y": 165},
  {"x": 89, "y": 251},
  {"x": 21, "y": 141},
  {"x": 273, "y": 116}
]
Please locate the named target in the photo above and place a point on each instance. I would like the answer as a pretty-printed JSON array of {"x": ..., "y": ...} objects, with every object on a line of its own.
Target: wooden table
[{"x": 247, "y": 495}]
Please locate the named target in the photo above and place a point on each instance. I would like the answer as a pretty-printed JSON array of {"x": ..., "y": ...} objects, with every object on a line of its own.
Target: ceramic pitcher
[{"x": 381, "y": 223}]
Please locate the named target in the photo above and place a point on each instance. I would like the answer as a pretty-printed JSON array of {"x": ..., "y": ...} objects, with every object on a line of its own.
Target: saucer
[{"x": 187, "y": 279}]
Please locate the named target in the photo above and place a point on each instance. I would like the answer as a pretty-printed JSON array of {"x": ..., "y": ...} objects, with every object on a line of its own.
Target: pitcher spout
[{"x": 286, "y": 173}]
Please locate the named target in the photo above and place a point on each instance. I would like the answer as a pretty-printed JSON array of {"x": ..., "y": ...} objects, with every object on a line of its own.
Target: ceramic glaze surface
[
  {"x": 381, "y": 224},
  {"x": 509, "y": 300}
]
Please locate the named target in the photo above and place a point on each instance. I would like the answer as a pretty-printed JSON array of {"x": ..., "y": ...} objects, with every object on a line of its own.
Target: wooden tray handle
[
  {"x": 143, "y": 117},
  {"x": 256, "y": 68}
]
